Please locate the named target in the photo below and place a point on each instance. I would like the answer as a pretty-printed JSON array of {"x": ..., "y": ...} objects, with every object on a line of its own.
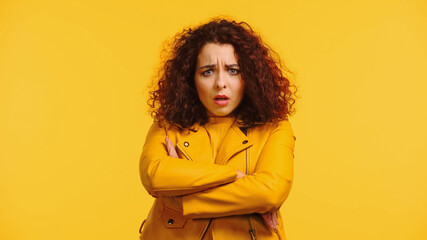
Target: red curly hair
[{"x": 268, "y": 96}]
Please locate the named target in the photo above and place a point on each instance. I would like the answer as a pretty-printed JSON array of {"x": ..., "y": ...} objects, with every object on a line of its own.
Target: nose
[{"x": 220, "y": 82}]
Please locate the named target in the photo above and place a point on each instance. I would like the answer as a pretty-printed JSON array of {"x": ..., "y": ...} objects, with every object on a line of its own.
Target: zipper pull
[{"x": 252, "y": 233}]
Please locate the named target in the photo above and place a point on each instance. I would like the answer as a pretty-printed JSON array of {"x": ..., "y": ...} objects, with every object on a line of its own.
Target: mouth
[{"x": 221, "y": 100}]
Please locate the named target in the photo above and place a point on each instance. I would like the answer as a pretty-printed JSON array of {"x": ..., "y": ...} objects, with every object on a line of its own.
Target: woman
[{"x": 219, "y": 156}]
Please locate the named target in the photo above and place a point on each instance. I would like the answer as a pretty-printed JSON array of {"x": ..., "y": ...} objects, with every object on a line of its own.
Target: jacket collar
[{"x": 194, "y": 144}]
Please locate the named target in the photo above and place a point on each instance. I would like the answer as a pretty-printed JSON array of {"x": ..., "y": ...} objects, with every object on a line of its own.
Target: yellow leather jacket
[{"x": 195, "y": 193}]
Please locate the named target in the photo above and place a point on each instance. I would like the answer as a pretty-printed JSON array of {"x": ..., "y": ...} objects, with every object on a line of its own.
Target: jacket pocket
[{"x": 172, "y": 219}]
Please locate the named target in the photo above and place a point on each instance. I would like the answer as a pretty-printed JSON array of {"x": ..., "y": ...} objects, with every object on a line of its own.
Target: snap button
[
  {"x": 172, "y": 218},
  {"x": 244, "y": 142},
  {"x": 186, "y": 144}
]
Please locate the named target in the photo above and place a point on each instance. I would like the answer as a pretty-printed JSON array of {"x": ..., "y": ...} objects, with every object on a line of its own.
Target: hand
[
  {"x": 171, "y": 148},
  {"x": 270, "y": 219},
  {"x": 240, "y": 174}
]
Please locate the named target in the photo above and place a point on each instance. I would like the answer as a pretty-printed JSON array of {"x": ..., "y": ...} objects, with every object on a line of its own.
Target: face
[{"x": 217, "y": 78}]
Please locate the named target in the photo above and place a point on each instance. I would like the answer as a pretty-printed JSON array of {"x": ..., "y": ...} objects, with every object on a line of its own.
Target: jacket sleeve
[
  {"x": 264, "y": 190},
  {"x": 162, "y": 175}
]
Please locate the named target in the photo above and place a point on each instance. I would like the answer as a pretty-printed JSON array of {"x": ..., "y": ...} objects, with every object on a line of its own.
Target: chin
[{"x": 219, "y": 114}]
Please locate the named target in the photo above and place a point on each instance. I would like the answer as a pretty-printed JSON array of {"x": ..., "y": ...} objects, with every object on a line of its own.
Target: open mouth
[{"x": 221, "y": 100}]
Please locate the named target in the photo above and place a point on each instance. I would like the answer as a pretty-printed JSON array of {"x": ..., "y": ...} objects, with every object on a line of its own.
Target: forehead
[{"x": 213, "y": 52}]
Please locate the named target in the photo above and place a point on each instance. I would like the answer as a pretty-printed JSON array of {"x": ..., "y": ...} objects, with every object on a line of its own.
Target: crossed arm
[
  {"x": 270, "y": 218},
  {"x": 202, "y": 186}
]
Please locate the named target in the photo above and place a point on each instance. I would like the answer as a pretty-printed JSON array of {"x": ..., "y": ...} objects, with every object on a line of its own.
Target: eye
[
  {"x": 207, "y": 72},
  {"x": 233, "y": 71}
]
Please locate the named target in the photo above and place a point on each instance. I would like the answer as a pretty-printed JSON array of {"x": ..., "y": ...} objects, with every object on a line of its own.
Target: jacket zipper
[
  {"x": 251, "y": 228},
  {"x": 252, "y": 233},
  {"x": 206, "y": 228}
]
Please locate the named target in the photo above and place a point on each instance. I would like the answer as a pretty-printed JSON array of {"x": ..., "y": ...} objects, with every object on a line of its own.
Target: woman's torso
[{"x": 166, "y": 219}]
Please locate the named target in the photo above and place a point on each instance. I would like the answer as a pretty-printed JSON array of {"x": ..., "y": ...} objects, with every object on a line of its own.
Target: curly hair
[{"x": 268, "y": 96}]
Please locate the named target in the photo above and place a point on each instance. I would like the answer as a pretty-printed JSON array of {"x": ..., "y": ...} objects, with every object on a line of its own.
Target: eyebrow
[{"x": 213, "y": 65}]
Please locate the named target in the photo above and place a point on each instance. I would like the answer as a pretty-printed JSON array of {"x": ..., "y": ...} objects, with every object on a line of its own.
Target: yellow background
[{"x": 73, "y": 114}]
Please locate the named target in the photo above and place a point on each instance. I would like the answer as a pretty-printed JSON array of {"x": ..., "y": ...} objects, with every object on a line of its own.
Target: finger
[
  {"x": 171, "y": 148},
  {"x": 276, "y": 218},
  {"x": 272, "y": 222},
  {"x": 240, "y": 174},
  {"x": 276, "y": 222},
  {"x": 265, "y": 218},
  {"x": 168, "y": 144},
  {"x": 268, "y": 220}
]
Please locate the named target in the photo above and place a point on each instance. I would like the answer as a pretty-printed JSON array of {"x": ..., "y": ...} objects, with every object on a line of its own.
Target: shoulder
[
  {"x": 272, "y": 127},
  {"x": 283, "y": 125},
  {"x": 168, "y": 129},
  {"x": 273, "y": 132}
]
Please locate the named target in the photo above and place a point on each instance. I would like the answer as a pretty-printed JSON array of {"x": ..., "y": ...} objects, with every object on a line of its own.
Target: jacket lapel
[
  {"x": 196, "y": 146},
  {"x": 234, "y": 141}
]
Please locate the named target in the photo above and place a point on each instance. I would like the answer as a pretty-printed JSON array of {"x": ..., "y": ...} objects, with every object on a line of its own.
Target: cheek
[
  {"x": 241, "y": 88},
  {"x": 201, "y": 89},
  {"x": 198, "y": 87}
]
